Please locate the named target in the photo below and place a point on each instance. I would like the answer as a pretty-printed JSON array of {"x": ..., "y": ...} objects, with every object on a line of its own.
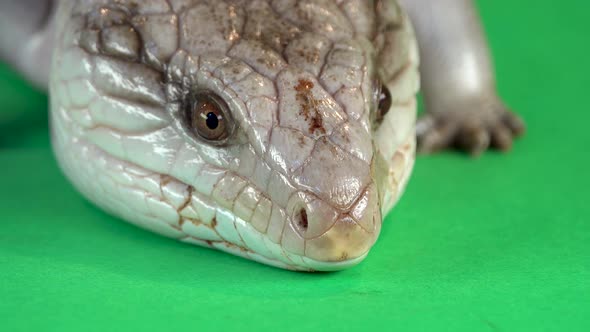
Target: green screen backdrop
[{"x": 501, "y": 243}]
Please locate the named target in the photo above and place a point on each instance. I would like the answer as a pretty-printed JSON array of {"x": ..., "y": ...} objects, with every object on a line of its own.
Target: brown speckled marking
[
  {"x": 344, "y": 256},
  {"x": 309, "y": 107}
]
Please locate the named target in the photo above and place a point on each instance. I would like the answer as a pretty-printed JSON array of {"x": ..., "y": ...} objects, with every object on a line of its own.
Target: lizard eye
[
  {"x": 384, "y": 103},
  {"x": 209, "y": 118}
]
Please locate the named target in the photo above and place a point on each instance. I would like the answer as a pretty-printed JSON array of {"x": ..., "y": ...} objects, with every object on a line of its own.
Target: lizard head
[{"x": 228, "y": 126}]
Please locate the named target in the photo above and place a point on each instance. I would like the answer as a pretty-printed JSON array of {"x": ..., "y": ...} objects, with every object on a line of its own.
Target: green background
[{"x": 500, "y": 243}]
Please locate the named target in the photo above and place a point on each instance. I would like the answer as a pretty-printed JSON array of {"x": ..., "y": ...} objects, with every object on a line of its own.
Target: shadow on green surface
[
  {"x": 81, "y": 238},
  {"x": 22, "y": 129},
  {"x": 24, "y": 113}
]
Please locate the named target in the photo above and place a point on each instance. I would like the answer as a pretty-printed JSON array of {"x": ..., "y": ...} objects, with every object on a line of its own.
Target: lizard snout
[{"x": 332, "y": 235}]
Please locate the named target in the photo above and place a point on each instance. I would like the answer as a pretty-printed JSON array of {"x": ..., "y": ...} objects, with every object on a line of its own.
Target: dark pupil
[
  {"x": 212, "y": 121},
  {"x": 385, "y": 100},
  {"x": 384, "y": 104}
]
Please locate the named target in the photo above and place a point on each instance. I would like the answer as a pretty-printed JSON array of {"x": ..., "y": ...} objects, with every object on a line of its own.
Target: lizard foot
[{"x": 473, "y": 128}]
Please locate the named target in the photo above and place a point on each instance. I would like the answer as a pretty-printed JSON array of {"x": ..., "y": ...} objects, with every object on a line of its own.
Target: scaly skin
[
  {"x": 301, "y": 84},
  {"x": 313, "y": 166}
]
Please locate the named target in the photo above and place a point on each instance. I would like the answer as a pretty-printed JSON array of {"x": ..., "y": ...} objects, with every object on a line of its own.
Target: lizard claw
[
  {"x": 473, "y": 138},
  {"x": 468, "y": 130}
]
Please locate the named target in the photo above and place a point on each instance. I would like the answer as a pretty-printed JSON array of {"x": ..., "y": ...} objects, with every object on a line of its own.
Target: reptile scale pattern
[{"x": 300, "y": 79}]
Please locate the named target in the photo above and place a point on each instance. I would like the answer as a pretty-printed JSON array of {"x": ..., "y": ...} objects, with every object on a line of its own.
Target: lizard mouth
[{"x": 315, "y": 236}]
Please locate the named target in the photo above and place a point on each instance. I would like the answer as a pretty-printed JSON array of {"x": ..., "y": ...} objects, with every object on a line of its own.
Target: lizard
[{"x": 281, "y": 131}]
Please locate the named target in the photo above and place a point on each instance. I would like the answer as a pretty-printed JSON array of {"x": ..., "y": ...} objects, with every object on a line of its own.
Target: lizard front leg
[
  {"x": 26, "y": 37},
  {"x": 458, "y": 81}
]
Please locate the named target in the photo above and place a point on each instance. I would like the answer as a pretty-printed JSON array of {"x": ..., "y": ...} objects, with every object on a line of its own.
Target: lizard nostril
[{"x": 302, "y": 221}]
